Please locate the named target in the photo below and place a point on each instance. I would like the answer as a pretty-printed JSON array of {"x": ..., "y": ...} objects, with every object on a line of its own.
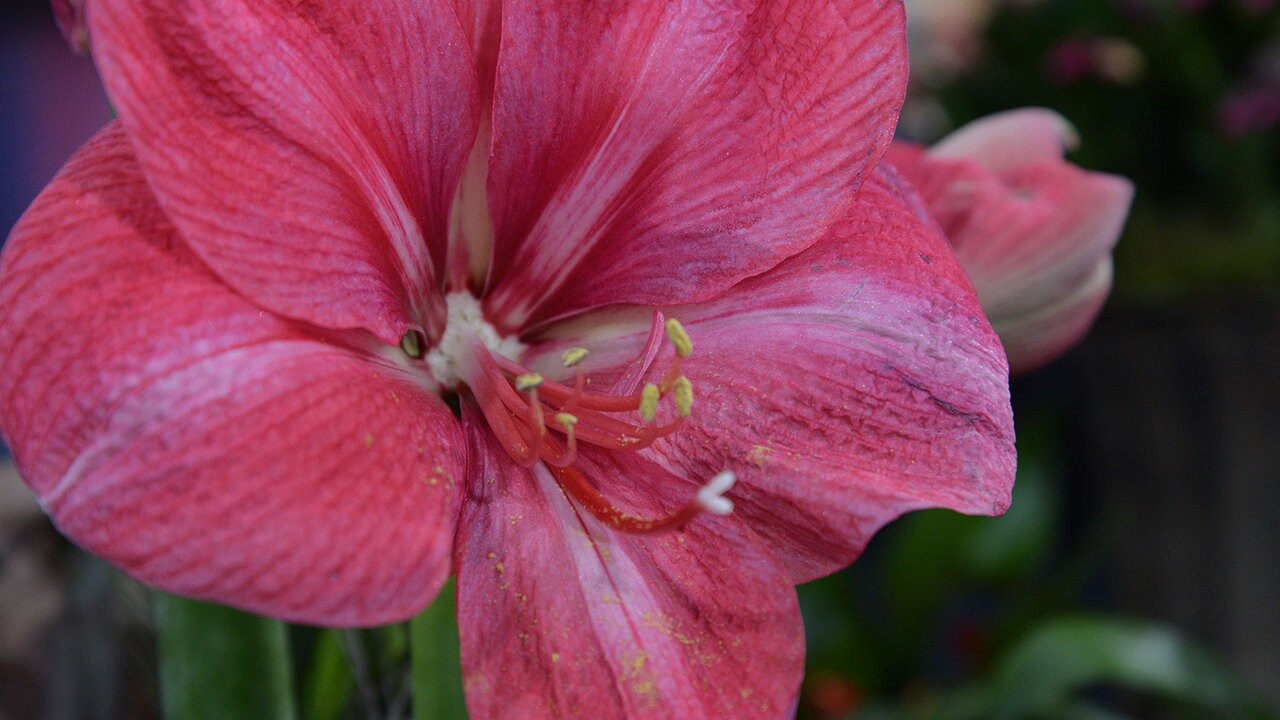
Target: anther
[
  {"x": 679, "y": 338},
  {"x": 411, "y": 344},
  {"x": 684, "y": 396},
  {"x": 649, "y": 402},
  {"x": 573, "y": 356},
  {"x": 529, "y": 381},
  {"x": 566, "y": 420},
  {"x": 711, "y": 496}
]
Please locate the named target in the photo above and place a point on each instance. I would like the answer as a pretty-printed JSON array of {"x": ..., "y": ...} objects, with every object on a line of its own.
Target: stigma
[{"x": 538, "y": 420}]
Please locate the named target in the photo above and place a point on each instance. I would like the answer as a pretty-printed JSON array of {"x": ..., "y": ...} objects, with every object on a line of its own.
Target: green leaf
[
  {"x": 436, "y": 668},
  {"x": 1087, "y": 711},
  {"x": 221, "y": 664},
  {"x": 1043, "y": 674},
  {"x": 329, "y": 681}
]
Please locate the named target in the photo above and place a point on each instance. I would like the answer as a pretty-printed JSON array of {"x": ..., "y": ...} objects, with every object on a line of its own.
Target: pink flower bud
[{"x": 1034, "y": 232}]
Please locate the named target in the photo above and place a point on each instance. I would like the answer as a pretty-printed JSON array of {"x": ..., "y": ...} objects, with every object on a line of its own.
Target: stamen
[
  {"x": 566, "y": 421},
  {"x": 558, "y": 393},
  {"x": 529, "y": 381},
  {"x": 497, "y": 411},
  {"x": 679, "y": 338},
  {"x": 543, "y": 421},
  {"x": 412, "y": 343},
  {"x": 579, "y": 386},
  {"x": 573, "y": 356},
  {"x": 711, "y": 496},
  {"x": 649, "y": 402},
  {"x": 639, "y": 368},
  {"x": 684, "y": 396},
  {"x": 533, "y": 417}
]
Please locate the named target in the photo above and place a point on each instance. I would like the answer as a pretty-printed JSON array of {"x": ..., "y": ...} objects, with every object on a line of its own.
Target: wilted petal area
[
  {"x": 203, "y": 445},
  {"x": 308, "y": 152},
  {"x": 1033, "y": 232},
  {"x": 659, "y": 152},
  {"x": 855, "y": 382},
  {"x": 561, "y": 617}
]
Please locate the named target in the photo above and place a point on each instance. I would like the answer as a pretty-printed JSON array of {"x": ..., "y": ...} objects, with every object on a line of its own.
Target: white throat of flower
[{"x": 464, "y": 325}]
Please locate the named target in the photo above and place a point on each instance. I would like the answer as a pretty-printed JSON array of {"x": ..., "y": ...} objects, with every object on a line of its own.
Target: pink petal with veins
[
  {"x": 856, "y": 381},
  {"x": 562, "y": 617},
  {"x": 203, "y": 445},
  {"x": 308, "y": 153},
  {"x": 659, "y": 152}
]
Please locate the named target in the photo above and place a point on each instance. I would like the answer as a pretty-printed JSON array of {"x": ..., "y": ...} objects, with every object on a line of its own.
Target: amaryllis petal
[
  {"x": 1033, "y": 232},
  {"x": 309, "y": 153},
  {"x": 561, "y": 617},
  {"x": 1010, "y": 140},
  {"x": 201, "y": 444},
  {"x": 481, "y": 23},
  {"x": 853, "y": 383},
  {"x": 690, "y": 145},
  {"x": 69, "y": 15}
]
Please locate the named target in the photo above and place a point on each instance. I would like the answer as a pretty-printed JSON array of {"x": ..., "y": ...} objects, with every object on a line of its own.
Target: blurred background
[{"x": 1138, "y": 573}]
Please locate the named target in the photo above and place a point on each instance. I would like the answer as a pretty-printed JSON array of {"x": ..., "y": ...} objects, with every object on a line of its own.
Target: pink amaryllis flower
[
  {"x": 1034, "y": 232},
  {"x": 356, "y": 295}
]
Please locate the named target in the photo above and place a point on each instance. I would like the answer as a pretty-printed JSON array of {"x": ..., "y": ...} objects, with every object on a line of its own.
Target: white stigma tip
[{"x": 711, "y": 496}]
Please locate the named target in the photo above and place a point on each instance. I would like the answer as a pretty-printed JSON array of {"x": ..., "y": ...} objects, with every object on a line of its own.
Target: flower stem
[
  {"x": 437, "y": 670},
  {"x": 216, "y": 662}
]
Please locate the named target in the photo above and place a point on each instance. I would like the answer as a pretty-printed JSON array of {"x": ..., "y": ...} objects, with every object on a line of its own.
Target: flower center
[{"x": 537, "y": 420}]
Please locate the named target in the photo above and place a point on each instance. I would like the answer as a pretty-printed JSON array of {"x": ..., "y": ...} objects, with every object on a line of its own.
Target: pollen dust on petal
[
  {"x": 639, "y": 677},
  {"x": 759, "y": 455}
]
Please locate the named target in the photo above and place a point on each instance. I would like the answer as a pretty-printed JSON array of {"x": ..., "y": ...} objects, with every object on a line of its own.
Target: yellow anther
[
  {"x": 679, "y": 338},
  {"x": 649, "y": 402},
  {"x": 529, "y": 381},
  {"x": 567, "y": 420},
  {"x": 684, "y": 396},
  {"x": 573, "y": 356}
]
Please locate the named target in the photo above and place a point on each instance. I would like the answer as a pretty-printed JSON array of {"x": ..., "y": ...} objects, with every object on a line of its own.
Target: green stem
[
  {"x": 220, "y": 663},
  {"x": 437, "y": 670}
]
